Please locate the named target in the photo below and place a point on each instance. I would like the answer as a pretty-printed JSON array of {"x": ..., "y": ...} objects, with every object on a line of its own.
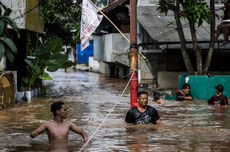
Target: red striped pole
[{"x": 133, "y": 54}]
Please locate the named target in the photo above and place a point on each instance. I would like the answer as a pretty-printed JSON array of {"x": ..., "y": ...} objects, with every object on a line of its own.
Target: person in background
[
  {"x": 58, "y": 128},
  {"x": 219, "y": 98},
  {"x": 143, "y": 113},
  {"x": 184, "y": 93},
  {"x": 157, "y": 98}
]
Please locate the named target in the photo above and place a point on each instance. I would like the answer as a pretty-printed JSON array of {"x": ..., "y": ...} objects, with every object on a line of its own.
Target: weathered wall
[
  {"x": 25, "y": 14},
  {"x": 111, "y": 48},
  {"x": 203, "y": 87},
  {"x": 167, "y": 79},
  {"x": 18, "y": 8},
  {"x": 33, "y": 21}
]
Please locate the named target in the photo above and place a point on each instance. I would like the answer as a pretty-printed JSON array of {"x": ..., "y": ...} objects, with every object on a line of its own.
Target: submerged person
[
  {"x": 184, "y": 93},
  {"x": 143, "y": 113},
  {"x": 157, "y": 98},
  {"x": 219, "y": 98},
  {"x": 58, "y": 128}
]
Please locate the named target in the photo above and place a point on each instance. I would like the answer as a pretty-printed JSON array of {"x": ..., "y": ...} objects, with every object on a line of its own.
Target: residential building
[{"x": 158, "y": 41}]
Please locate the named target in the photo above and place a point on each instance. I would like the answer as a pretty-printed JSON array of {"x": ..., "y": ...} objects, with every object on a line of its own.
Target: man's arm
[
  {"x": 38, "y": 131},
  {"x": 211, "y": 100},
  {"x": 226, "y": 100},
  {"x": 179, "y": 95},
  {"x": 188, "y": 97},
  {"x": 79, "y": 131},
  {"x": 128, "y": 118},
  {"x": 158, "y": 122},
  {"x": 156, "y": 117}
]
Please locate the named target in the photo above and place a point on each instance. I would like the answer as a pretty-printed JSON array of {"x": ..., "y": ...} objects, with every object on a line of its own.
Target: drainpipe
[{"x": 133, "y": 54}]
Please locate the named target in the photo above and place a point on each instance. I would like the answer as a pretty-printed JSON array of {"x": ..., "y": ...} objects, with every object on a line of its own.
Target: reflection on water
[{"x": 188, "y": 126}]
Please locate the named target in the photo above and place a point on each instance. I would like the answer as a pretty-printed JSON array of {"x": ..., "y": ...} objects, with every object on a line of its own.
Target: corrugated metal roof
[
  {"x": 113, "y": 5},
  {"x": 163, "y": 29},
  {"x": 160, "y": 27}
]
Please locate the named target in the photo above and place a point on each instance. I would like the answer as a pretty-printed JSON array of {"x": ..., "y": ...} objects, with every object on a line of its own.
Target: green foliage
[
  {"x": 162, "y": 7},
  {"x": 60, "y": 18},
  {"x": 198, "y": 12},
  {"x": 7, "y": 46},
  {"x": 47, "y": 58}
]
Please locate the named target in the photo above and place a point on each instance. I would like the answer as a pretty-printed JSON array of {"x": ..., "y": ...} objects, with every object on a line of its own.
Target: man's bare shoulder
[
  {"x": 47, "y": 123},
  {"x": 65, "y": 122},
  {"x": 70, "y": 122}
]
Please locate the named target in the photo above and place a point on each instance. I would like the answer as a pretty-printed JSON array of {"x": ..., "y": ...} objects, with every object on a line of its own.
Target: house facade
[
  {"x": 157, "y": 40},
  {"x": 30, "y": 24}
]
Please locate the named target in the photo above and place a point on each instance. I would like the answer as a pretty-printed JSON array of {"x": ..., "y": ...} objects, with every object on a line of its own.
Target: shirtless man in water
[{"x": 58, "y": 128}]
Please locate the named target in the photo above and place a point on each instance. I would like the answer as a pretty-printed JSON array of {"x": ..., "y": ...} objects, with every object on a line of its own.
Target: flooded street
[{"x": 188, "y": 126}]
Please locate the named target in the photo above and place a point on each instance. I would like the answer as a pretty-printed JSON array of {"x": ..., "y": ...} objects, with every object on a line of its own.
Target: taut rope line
[{"x": 110, "y": 111}]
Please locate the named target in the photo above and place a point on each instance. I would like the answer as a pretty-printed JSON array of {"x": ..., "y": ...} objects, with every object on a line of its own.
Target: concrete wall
[
  {"x": 18, "y": 8},
  {"x": 203, "y": 87},
  {"x": 25, "y": 14},
  {"x": 98, "y": 45},
  {"x": 93, "y": 65},
  {"x": 2, "y": 64},
  {"x": 104, "y": 68},
  {"x": 114, "y": 48},
  {"x": 111, "y": 48},
  {"x": 108, "y": 47},
  {"x": 146, "y": 69},
  {"x": 33, "y": 20},
  {"x": 168, "y": 80}
]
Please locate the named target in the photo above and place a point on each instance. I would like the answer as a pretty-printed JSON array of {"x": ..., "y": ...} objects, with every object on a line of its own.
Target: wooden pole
[{"x": 133, "y": 54}]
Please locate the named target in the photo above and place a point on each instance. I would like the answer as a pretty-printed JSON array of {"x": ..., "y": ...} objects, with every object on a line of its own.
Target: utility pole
[{"x": 133, "y": 54}]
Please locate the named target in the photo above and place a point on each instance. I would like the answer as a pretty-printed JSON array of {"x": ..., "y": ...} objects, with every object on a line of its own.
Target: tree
[
  {"x": 7, "y": 46},
  {"x": 196, "y": 12},
  {"x": 62, "y": 18}
]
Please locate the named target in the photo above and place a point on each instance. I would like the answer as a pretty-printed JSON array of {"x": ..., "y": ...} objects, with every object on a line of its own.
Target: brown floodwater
[{"x": 188, "y": 126}]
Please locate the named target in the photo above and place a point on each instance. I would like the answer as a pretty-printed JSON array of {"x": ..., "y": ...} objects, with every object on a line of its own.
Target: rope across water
[{"x": 110, "y": 111}]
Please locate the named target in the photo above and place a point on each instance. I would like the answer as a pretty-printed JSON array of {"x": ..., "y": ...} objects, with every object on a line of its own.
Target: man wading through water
[
  {"x": 143, "y": 114},
  {"x": 58, "y": 128}
]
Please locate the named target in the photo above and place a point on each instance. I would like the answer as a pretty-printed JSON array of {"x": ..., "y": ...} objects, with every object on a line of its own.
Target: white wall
[
  {"x": 115, "y": 48},
  {"x": 2, "y": 64},
  {"x": 111, "y": 48},
  {"x": 18, "y": 9},
  {"x": 93, "y": 65}
]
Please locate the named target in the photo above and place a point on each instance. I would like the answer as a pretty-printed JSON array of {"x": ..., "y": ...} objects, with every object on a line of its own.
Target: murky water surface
[{"x": 190, "y": 127}]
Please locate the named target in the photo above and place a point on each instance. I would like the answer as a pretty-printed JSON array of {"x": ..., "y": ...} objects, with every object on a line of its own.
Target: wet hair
[
  {"x": 156, "y": 95},
  {"x": 185, "y": 86},
  {"x": 56, "y": 106},
  {"x": 219, "y": 88},
  {"x": 141, "y": 92}
]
